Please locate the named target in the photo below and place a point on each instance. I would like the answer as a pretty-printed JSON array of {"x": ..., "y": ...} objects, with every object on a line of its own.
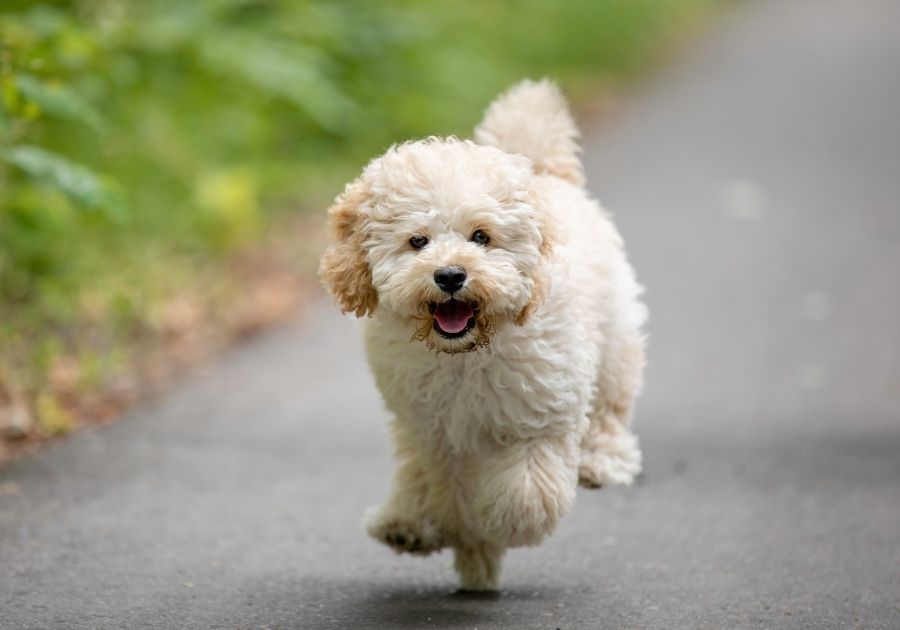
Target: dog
[{"x": 503, "y": 327}]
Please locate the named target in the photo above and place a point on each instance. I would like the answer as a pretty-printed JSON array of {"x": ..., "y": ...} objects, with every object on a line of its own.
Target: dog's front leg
[
  {"x": 478, "y": 566},
  {"x": 403, "y": 521},
  {"x": 525, "y": 488}
]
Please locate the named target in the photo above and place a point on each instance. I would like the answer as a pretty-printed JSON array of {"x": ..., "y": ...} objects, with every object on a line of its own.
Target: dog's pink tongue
[{"x": 453, "y": 316}]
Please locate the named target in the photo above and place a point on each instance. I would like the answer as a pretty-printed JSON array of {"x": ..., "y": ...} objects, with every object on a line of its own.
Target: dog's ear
[
  {"x": 540, "y": 276},
  {"x": 343, "y": 268}
]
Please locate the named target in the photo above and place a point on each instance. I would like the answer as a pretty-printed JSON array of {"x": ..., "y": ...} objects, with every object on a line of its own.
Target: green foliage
[
  {"x": 83, "y": 186},
  {"x": 57, "y": 101},
  {"x": 141, "y": 137}
]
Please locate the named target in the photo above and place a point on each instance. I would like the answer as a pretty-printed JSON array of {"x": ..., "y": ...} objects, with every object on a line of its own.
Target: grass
[{"x": 146, "y": 145}]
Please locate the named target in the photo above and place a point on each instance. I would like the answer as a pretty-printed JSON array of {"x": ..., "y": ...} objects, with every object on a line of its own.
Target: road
[{"x": 757, "y": 185}]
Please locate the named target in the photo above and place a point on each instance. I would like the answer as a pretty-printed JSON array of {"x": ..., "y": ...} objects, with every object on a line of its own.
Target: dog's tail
[{"x": 532, "y": 118}]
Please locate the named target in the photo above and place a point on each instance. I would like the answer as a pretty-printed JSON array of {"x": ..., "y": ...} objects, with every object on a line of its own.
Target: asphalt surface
[{"x": 757, "y": 185}]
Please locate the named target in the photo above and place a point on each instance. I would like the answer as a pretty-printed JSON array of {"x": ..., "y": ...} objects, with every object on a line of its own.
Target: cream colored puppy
[{"x": 504, "y": 330}]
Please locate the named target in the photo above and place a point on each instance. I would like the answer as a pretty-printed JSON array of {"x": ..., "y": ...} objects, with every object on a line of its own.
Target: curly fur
[{"x": 495, "y": 429}]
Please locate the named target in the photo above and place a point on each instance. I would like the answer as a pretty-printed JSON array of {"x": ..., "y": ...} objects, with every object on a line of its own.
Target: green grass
[{"x": 142, "y": 140}]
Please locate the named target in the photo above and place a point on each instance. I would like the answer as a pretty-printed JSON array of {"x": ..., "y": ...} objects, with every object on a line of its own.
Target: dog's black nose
[{"x": 450, "y": 279}]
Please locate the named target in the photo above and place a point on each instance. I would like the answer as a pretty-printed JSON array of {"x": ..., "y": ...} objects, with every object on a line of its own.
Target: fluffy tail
[{"x": 532, "y": 118}]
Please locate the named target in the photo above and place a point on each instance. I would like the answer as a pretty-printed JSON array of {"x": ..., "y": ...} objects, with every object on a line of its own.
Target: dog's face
[{"x": 445, "y": 234}]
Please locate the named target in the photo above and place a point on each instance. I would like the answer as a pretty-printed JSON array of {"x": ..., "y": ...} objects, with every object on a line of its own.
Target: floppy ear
[
  {"x": 343, "y": 268},
  {"x": 541, "y": 274}
]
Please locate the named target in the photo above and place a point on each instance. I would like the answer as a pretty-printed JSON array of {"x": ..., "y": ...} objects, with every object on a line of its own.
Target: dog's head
[{"x": 445, "y": 234}]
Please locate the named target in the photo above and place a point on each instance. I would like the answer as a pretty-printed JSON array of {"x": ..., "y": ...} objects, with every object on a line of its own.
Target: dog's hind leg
[
  {"x": 609, "y": 450},
  {"x": 402, "y": 522}
]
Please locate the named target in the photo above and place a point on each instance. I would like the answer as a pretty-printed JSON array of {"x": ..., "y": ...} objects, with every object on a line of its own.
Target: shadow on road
[{"x": 362, "y": 603}]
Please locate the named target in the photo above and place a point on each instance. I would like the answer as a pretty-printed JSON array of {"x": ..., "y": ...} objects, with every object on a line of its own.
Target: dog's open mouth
[{"x": 453, "y": 319}]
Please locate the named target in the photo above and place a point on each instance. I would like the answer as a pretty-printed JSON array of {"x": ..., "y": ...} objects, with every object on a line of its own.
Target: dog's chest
[
  {"x": 474, "y": 400},
  {"x": 468, "y": 400}
]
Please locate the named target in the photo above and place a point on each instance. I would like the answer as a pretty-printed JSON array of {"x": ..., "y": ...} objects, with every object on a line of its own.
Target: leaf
[
  {"x": 78, "y": 182},
  {"x": 59, "y": 101},
  {"x": 293, "y": 72},
  {"x": 10, "y": 93},
  {"x": 52, "y": 417}
]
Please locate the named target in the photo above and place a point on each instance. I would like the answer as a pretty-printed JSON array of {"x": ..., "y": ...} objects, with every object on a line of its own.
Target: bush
[{"x": 141, "y": 138}]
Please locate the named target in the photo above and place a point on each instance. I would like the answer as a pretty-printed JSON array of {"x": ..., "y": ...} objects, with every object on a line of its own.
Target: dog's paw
[
  {"x": 404, "y": 535},
  {"x": 478, "y": 568},
  {"x": 600, "y": 468}
]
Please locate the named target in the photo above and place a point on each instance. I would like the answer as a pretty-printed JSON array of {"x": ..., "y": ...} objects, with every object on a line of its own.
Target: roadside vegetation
[{"x": 154, "y": 155}]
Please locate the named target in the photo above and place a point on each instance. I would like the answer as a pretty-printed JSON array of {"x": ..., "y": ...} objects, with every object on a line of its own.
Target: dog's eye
[
  {"x": 480, "y": 237},
  {"x": 418, "y": 242}
]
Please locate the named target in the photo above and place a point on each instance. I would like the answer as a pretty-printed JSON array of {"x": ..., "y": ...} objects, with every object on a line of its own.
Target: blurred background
[
  {"x": 164, "y": 171},
  {"x": 164, "y": 165}
]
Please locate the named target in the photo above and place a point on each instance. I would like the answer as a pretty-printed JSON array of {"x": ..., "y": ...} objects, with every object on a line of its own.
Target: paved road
[{"x": 757, "y": 184}]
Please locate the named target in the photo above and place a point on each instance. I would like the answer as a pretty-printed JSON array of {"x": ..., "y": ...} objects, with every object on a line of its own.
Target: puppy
[{"x": 503, "y": 329}]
